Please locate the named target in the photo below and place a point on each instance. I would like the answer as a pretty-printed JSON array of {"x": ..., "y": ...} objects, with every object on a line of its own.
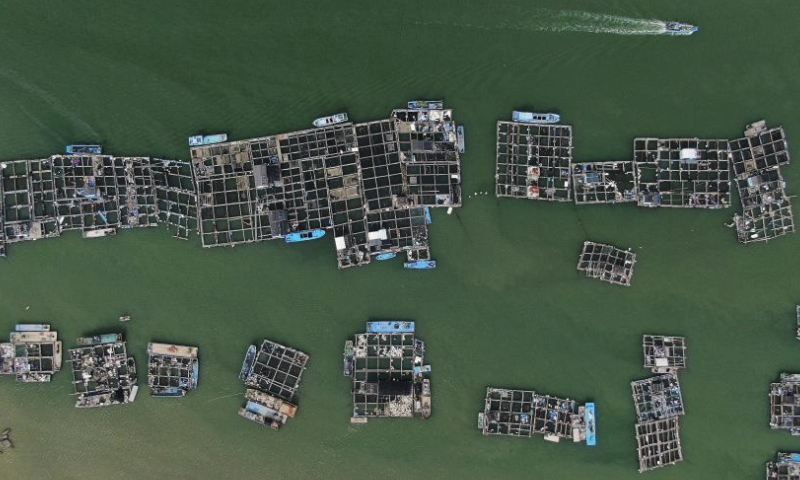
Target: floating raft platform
[
  {"x": 784, "y": 403},
  {"x": 524, "y": 413},
  {"x": 786, "y": 466},
  {"x": 757, "y": 161},
  {"x": 103, "y": 373},
  {"x": 659, "y": 443},
  {"x": 683, "y": 172},
  {"x": 534, "y": 161},
  {"x": 94, "y": 194},
  {"x": 172, "y": 370},
  {"x": 33, "y": 353},
  {"x": 607, "y": 263},
  {"x": 272, "y": 376},
  {"x": 387, "y": 365},
  {"x": 664, "y": 354},
  {"x": 604, "y": 182},
  {"x": 367, "y": 183},
  {"x": 657, "y": 397}
]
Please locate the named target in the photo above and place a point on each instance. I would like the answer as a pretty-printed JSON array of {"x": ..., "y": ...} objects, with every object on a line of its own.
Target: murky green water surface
[{"x": 506, "y": 306}]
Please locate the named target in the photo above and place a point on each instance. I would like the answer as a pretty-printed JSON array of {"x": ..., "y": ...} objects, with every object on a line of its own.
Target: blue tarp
[{"x": 390, "y": 326}]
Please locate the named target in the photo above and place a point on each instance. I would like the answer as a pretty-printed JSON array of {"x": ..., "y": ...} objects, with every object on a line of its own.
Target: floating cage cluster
[
  {"x": 102, "y": 372},
  {"x": 272, "y": 376},
  {"x": 371, "y": 184},
  {"x": 523, "y": 413},
  {"x": 757, "y": 161},
  {"x": 32, "y": 354},
  {"x": 390, "y": 377},
  {"x": 784, "y": 403},
  {"x": 786, "y": 466},
  {"x": 172, "y": 370},
  {"x": 607, "y": 263},
  {"x": 94, "y": 194},
  {"x": 535, "y": 161},
  {"x": 659, "y": 402},
  {"x": 368, "y": 183}
]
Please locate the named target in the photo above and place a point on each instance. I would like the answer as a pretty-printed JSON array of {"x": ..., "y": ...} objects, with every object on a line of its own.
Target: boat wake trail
[
  {"x": 575, "y": 21},
  {"x": 567, "y": 21}
]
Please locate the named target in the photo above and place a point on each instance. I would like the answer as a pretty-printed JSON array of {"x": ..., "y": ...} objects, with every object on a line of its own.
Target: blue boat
[
  {"x": 390, "y": 326},
  {"x": 530, "y": 117},
  {"x": 84, "y": 149},
  {"x": 32, "y": 327},
  {"x": 789, "y": 457},
  {"x": 460, "y": 139},
  {"x": 425, "y": 105},
  {"x": 305, "y": 235},
  {"x": 385, "y": 256},
  {"x": 422, "y": 369},
  {"x": 247, "y": 365},
  {"x": 427, "y": 216},
  {"x": 420, "y": 265},
  {"x": 198, "y": 140},
  {"x": 589, "y": 418},
  {"x": 680, "y": 28}
]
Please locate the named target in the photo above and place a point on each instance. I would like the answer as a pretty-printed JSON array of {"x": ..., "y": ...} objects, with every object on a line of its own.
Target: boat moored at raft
[
  {"x": 531, "y": 117},
  {"x": 249, "y": 360},
  {"x": 425, "y": 105},
  {"x": 84, "y": 149},
  {"x": 200, "y": 140},
  {"x": 420, "y": 265},
  {"x": 305, "y": 235},
  {"x": 332, "y": 120},
  {"x": 385, "y": 256},
  {"x": 680, "y": 28}
]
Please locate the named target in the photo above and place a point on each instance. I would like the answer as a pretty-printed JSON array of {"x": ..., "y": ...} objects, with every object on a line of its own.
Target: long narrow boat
[
  {"x": 247, "y": 365},
  {"x": 589, "y": 418},
  {"x": 680, "y": 28},
  {"x": 425, "y": 105},
  {"x": 531, "y": 117},
  {"x": 385, "y": 256},
  {"x": 460, "y": 138},
  {"x": 305, "y": 235},
  {"x": 199, "y": 140},
  {"x": 332, "y": 120},
  {"x": 85, "y": 149},
  {"x": 420, "y": 265}
]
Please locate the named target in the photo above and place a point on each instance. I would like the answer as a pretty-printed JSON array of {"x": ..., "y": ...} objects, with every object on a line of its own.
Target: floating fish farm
[
  {"x": 272, "y": 374},
  {"x": 784, "y": 403},
  {"x": 786, "y": 466},
  {"x": 172, "y": 370},
  {"x": 390, "y": 377},
  {"x": 32, "y": 354},
  {"x": 370, "y": 184},
  {"x": 102, "y": 372},
  {"x": 607, "y": 263},
  {"x": 524, "y": 413},
  {"x": 535, "y": 161},
  {"x": 659, "y": 403}
]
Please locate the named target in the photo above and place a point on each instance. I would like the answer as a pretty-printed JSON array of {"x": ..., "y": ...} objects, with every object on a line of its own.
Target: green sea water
[{"x": 506, "y": 306}]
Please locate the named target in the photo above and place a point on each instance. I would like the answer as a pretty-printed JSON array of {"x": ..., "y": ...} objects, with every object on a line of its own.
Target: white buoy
[{"x": 450, "y": 210}]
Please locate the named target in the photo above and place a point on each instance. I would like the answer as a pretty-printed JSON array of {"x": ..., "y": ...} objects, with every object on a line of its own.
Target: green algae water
[{"x": 506, "y": 306}]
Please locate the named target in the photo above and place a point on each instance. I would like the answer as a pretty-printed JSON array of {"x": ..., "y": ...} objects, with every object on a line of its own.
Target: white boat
[{"x": 332, "y": 120}]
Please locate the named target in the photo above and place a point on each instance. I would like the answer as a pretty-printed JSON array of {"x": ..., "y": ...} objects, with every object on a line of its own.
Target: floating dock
[
  {"x": 607, "y": 263},
  {"x": 524, "y": 413},
  {"x": 272, "y": 376},
  {"x": 172, "y": 370},
  {"x": 784, "y": 403},
  {"x": 33, "y": 353},
  {"x": 786, "y": 466},
  {"x": 368, "y": 183},
  {"x": 534, "y": 161},
  {"x": 664, "y": 354},
  {"x": 757, "y": 161},
  {"x": 388, "y": 371},
  {"x": 102, "y": 372},
  {"x": 604, "y": 182},
  {"x": 682, "y": 172}
]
